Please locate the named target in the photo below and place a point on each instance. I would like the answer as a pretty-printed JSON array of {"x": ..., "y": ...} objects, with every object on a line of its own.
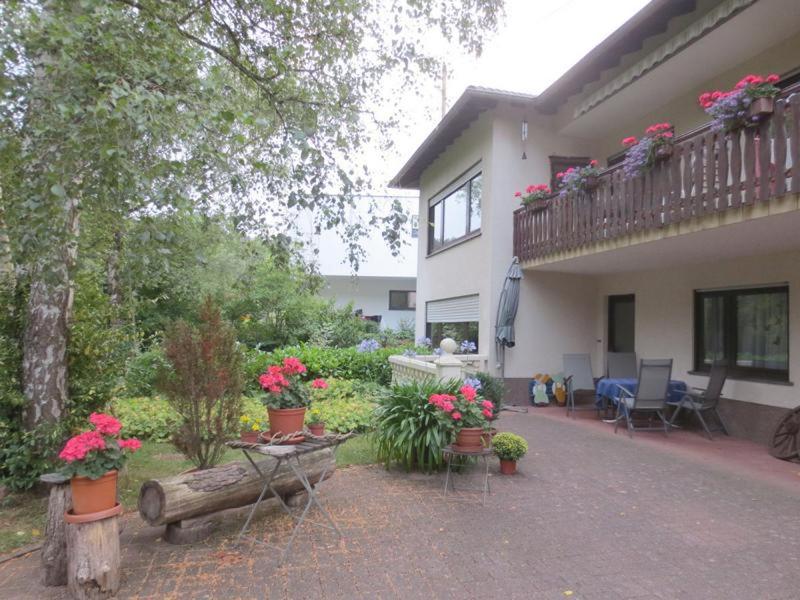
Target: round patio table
[{"x": 452, "y": 451}]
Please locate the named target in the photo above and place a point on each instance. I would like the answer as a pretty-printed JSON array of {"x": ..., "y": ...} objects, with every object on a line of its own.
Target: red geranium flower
[{"x": 105, "y": 424}]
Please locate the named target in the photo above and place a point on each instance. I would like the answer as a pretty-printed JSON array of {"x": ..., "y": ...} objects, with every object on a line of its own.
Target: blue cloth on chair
[{"x": 607, "y": 388}]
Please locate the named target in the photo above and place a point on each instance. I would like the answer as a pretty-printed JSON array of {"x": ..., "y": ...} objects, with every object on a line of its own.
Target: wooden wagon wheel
[{"x": 785, "y": 442}]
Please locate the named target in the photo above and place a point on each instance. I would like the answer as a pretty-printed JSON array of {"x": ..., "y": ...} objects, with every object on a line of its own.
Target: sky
[{"x": 535, "y": 44}]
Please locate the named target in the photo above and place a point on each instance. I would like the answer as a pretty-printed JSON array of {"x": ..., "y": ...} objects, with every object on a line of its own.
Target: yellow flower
[
  {"x": 255, "y": 427},
  {"x": 244, "y": 419}
]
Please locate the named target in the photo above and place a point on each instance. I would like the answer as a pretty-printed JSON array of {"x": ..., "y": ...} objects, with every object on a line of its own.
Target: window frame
[
  {"x": 464, "y": 181},
  {"x": 407, "y": 297},
  {"x": 730, "y": 333}
]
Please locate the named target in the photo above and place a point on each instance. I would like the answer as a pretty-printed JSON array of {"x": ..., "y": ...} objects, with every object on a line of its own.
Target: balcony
[{"x": 708, "y": 173}]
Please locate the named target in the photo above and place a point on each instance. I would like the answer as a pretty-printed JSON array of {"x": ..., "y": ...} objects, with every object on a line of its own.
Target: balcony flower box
[
  {"x": 760, "y": 108},
  {"x": 654, "y": 146},
  {"x": 534, "y": 195},
  {"x": 746, "y": 104},
  {"x": 578, "y": 179}
]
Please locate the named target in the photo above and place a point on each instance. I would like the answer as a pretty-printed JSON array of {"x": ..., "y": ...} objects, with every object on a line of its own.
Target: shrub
[
  {"x": 509, "y": 446},
  {"x": 142, "y": 370},
  {"x": 25, "y": 455},
  {"x": 340, "y": 363},
  {"x": 345, "y": 405},
  {"x": 493, "y": 389},
  {"x": 408, "y": 430},
  {"x": 146, "y": 418},
  {"x": 203, "y": 385}
]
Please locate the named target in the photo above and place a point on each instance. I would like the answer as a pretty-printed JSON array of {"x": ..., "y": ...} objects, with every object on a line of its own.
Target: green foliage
[
  {"x": 493, "y": 389},
  {"x": 338, "y": 327},
  {"x": 141, "y": 372},
  {"x": 25, "y": 455},
  {"x": 339, "y": 363},
  {"x": 345, "y": 405},
  {"x": 146, "y": 418},
  {"x": 408, "y": 430},
  {"x": 509, "y": 446},
  {"x": 203, "y": 385}
]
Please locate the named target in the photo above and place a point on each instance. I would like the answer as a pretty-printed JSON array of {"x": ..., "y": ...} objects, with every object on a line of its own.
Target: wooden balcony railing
[{"x": 708, "y": 172}]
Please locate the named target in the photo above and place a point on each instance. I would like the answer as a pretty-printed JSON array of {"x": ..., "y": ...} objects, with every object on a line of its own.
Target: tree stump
[
  {"x": 93, "y": 556},
  {"x": 54, "y": 546}
]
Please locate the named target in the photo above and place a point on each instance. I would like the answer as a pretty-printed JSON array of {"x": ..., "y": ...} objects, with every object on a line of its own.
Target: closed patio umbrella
[{"x": 507, "y": 312}]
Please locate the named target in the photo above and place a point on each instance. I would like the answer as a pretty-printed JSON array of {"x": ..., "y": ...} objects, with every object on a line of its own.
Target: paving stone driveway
[{"x": 590, "y": 515}]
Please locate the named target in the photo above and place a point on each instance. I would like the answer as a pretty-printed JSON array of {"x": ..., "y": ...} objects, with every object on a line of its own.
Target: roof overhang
[
  {"x": 651, "y": 20},
  {"x": 466, "y": 109}
]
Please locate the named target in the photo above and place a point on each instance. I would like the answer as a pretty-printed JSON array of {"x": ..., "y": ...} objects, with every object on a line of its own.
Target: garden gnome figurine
[
  {"x": 559, "y": 389},
  {"x": 540, "y": 394}
]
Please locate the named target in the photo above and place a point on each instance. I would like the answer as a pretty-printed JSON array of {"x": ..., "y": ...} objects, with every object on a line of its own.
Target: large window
[
  {"x": 747, "y": 328},
  {"x": 466, "y": 331},
  {"x": 455, "y": 216},
  {"x": 402, "y": 300}
]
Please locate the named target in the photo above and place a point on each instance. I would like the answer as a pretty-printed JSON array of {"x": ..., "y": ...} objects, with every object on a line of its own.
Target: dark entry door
[{"x": 621, "y": 323}]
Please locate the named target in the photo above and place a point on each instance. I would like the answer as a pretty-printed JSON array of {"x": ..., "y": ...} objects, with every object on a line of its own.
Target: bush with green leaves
[
  {"x": 345, "y": 405},
  {"x": 25, "y": 455},
  {"x": 147, "y": 418},
  {"x": 492, "y": 389},
  {"x": 509, "y": 446},
  {"x": 408, "y": 430},
  {"x": 340, "y": 363},
  {"x": 142, "y": 370}
]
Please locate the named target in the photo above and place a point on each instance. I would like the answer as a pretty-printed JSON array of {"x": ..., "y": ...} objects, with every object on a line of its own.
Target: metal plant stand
[
  {"x": 450, "y": 452},
  {"x": 290, "y": 454}
]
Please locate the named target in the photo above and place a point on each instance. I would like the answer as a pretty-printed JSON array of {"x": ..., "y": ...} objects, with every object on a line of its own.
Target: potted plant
[
  {"x": 578, "y": 179},
  {"x": 642, "y": 154},
  {"x": 286, "y": 398},
  {"x": 509, "y": 448},
  {"x": 747, "y": 103},
  {"x": 464, "y": 414},
  {"x": 533, "y": 194},
  {"x": 251, "y": 428},
  {"x": 93, "y": 458},
  {"x": 314, "y": 421}
]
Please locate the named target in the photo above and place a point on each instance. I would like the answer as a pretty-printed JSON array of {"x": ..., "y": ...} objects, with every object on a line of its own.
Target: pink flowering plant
[
  {"x": 95, "y": 452},
  {"x": 641, "y": 154},
  {"x": 533, "y": 193},
  {"x": 729, "y": 109},
  {"x": 284, "y": 385},
  {"x": 463, "y": 409},
  {"x": 575, "y": 179}
]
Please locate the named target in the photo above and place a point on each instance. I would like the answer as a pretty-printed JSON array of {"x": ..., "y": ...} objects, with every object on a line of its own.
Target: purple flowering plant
[
  {"x": 575, "y": 179},
  {"x": 642, "y": 154},
  {"x": 729, "y": 110}
]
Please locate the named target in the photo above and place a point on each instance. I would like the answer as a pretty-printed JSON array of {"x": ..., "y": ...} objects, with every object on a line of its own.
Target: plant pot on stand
[
  {"x": 283, "y": 421},
  {"x": 317, "y": 429},
  {"x": 470, "y": 439},
  {"x": 93, "y": 495}
]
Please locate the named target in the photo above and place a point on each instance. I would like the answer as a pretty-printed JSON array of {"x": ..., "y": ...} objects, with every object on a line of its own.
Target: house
[
  {"x": 697, "y": 259},
  {"x": 383, "y": 289}
]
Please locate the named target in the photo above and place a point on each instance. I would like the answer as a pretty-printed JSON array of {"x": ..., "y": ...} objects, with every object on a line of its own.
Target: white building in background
[
  {"x": 385, "y": 287},
  {"x": 698, "y": 260}
]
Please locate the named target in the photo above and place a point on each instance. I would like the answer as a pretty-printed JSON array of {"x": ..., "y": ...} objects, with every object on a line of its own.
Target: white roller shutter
[{"x": 453, "y": 310}]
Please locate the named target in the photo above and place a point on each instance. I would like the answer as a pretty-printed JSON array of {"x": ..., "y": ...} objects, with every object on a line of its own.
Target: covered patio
[{"x": 590, "y": 515}]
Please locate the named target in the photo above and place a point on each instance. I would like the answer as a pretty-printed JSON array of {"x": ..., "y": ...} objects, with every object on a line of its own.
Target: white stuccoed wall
[{"x": 371, "y": 294}]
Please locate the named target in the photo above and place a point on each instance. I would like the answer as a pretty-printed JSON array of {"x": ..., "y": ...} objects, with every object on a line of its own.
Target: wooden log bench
[{"x": 191, "y": 505}]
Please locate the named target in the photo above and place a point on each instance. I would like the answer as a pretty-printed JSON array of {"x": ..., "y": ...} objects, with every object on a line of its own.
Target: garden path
[{"x": 590, "y": 515}]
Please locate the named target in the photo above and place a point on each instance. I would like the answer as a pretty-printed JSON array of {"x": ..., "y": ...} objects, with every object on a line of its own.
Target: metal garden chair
[
  {"x": 621, "y": 365},
  {"x": 578, "y": 377},
  {"x": 650, "y": 397},
  {"x": 700, "y": 400}
]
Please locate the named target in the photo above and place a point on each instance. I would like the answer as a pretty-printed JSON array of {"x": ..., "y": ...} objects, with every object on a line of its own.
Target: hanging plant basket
[
  {"x": 664, "y": 151},
  {"x": 591, "y": 182},
  {"x": 761, "y": 107}
]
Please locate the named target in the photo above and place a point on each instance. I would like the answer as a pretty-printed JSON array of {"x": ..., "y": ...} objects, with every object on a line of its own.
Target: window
[
  {"x": 558, "y": 164},
  {"x": 402, "y": 300},
  {"x": 455, "y": 216},
  {"x": 466, "y": 331},
  {"x": 748, "y": 328}
]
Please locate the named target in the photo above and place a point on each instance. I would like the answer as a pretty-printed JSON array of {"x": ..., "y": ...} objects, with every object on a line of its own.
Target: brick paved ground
[{"x": 590, "y": 515}]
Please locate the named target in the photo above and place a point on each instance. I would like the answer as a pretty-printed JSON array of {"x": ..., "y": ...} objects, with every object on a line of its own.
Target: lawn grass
[{"x": 22, "y": 516}]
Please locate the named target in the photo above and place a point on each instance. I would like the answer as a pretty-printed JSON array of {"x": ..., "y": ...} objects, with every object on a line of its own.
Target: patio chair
[
  {"x": 578, "y": 377},
  {"x": 701, "y": 400},
  {"x": 621, "y": 365},
  {"x": 650, "y": 397}
]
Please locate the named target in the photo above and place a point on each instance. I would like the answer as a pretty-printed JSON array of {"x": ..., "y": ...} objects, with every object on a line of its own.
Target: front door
[{"x": 621, "y": 323}]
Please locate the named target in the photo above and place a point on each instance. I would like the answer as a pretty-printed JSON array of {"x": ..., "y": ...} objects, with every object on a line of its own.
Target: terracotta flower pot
[
  {"x": 470, "y": 439},
  {"x": 93, "y": 495},
  {"x": 761, "y": 107},
  {"x": 250, "y": 437},
  {"x": 317, "y": 429},
  {"x": 508, "y": 467},
  {"x": 286, "y": 420}
]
